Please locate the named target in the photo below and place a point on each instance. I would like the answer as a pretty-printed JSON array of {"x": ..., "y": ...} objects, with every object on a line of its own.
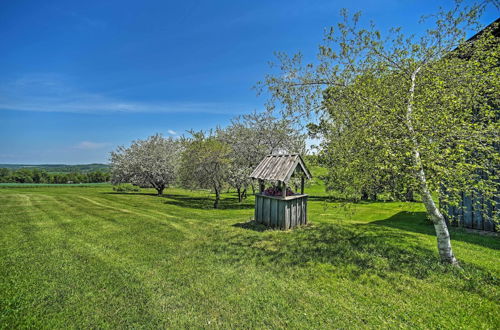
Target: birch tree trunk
[{"x": 442, "y": 233}]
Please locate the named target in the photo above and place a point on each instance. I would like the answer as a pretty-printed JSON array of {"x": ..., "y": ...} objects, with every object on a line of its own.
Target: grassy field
[{"x": 89, "y": 257}]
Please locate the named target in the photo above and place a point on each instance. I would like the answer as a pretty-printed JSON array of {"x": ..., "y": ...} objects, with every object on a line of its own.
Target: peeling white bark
[{"x": 442, "y": 233}]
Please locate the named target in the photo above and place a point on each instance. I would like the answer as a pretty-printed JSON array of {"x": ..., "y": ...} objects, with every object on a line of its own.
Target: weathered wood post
[{"x": 281, "y": 211}]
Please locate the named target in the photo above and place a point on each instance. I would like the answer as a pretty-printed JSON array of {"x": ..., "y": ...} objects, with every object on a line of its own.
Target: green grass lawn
[{"x": 89, "y": 257}]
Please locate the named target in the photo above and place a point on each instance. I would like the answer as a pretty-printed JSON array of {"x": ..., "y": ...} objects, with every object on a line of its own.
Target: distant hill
[{"x": 60, "y": 168}]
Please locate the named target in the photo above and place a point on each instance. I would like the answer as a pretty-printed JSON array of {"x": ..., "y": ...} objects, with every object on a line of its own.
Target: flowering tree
[
  {"x": 252, "y": 137},
  {"x": 152, "y": 162}
]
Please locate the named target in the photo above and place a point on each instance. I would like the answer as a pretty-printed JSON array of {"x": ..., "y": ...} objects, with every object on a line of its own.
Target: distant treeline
[
  {"x": 60, "y": 168},
  {"x": 36, "y": 175}
]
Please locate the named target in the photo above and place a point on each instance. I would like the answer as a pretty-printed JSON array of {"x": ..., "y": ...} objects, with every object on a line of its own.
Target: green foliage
[
  {"x": 74, "y": 257},
  {"x": 372, "y": 122},
  {"x": 126, "y": 187},
  {"x": 205, "y": 164},
  {"x": 60, "y": 168},
  {"x": 402, "y": 112},
  {"x": 36, "y": 175}
]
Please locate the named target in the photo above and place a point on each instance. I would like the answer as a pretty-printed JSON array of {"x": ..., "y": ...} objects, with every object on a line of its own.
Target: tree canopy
[
  {"x": 402, "y": 112},
  {"x": 151, "y": 162},
  {"x": 252, "y": 137},
  {"x": 205, "y": 163}
]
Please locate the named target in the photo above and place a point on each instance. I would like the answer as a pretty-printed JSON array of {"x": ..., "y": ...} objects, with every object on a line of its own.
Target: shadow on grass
[
  {"x": 252, "y": 225},
  {"x": 384, "y": 249},
  {"x": 338, "y": 199},
  {"x": 198, "y": 202},
  {"x": 129, "y": 193},
  {"x": 226, "y": 203},
  {"x": 417, "y": 222},
  {"x": 368, "y": 249},
  {"x": 328, "y": 199}
]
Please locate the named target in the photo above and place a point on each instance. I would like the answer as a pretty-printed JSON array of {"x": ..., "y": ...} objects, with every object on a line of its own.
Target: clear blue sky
[{"x": 78, "y": 78}]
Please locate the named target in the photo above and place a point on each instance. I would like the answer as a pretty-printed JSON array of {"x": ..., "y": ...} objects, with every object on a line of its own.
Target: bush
[{"x": 125, "y": 187}]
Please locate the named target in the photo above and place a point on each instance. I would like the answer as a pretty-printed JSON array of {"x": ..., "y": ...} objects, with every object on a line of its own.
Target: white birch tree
[{"x": 408, "y": 100}]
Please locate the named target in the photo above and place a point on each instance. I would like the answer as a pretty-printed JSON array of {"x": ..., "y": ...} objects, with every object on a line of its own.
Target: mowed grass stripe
[
  {"x": 58, "y": 243},
  {"x": 85, "y": 265},
  {"x": 154, "y": 217},
  {"x": 193, "y": 292},
  {"x": 133, "y": 227},
  {"x": 169, "y": 214}
]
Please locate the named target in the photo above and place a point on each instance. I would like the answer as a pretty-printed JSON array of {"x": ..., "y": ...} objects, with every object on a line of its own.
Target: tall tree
[
  {"x": 152, "y": 162},
  {"x": 205, "y": 163},
  {"x": 405, "y": 102}
]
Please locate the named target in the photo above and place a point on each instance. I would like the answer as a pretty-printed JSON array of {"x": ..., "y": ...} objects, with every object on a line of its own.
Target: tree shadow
[
  {"x": 328, "y": 199},
  {"x": 252, "y": 225},
  {"x": 198, "y": 202},
  {"x": 417, "y": 222},
  {"x": 334, "y": 244},
  {"x": 338, "y": 199},
  {"x": 226, "y": 203},
  {"x": 130, "y": 193},
  {"x": 258, "y": 227},
  {"x": 350, "y": 250}
]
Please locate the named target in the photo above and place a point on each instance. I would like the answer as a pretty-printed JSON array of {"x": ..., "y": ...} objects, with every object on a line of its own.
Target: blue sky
[{"x": 78, "y": 78}]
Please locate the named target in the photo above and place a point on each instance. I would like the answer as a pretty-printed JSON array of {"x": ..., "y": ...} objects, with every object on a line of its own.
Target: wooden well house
[{"x": 281, "y": 209}]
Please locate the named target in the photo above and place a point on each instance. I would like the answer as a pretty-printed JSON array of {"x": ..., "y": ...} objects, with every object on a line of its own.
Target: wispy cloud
[
  {"x": 171, "y": 132},
  {"x": 52, "y": 93},
  {"x": 80, "y": 20},
  {"x": 89, "y": 145}
]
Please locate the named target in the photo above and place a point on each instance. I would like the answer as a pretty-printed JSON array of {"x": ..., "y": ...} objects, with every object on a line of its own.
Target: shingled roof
[{"x": 279, "y": 168}]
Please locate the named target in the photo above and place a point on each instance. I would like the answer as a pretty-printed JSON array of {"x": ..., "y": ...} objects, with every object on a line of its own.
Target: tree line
[
  {"x": 60, "y": 168},
  {"x": 36, "y": 175}
]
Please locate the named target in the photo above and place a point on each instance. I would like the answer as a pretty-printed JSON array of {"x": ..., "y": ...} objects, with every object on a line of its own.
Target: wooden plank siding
[
  {"x": 473, "y": 212},
  {"x": 282, "y": 213}
]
